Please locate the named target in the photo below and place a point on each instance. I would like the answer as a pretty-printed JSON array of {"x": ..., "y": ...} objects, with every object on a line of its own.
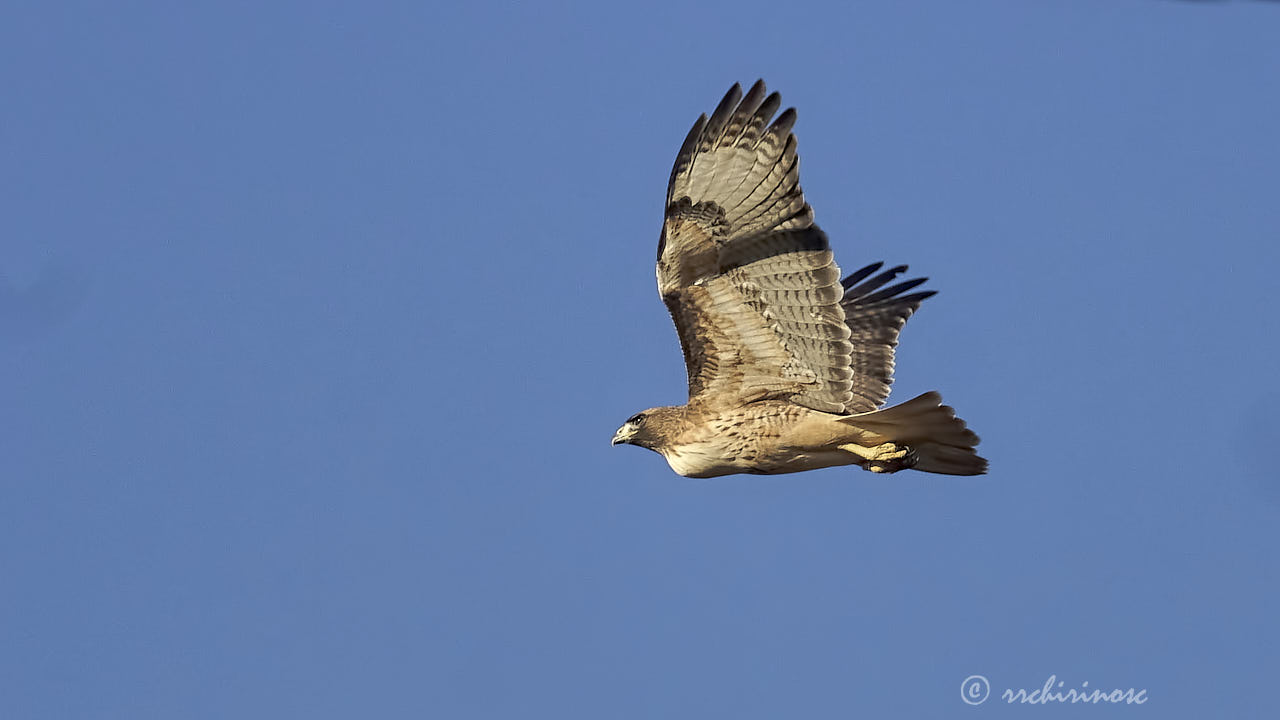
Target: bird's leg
[{"x": 884, "y": 458}]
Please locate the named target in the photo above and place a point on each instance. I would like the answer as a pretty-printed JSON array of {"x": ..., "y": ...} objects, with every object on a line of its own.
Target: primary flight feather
[{"x": 788, "y": 364}]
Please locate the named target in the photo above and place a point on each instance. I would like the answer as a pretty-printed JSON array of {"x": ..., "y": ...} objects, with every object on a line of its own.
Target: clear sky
[{"x": 316, "y": 320}]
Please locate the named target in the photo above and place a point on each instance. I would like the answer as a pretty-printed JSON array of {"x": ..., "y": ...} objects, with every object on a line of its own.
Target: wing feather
[
  {"x": 875, "y": 318},
  {"x": 749, "y": 280}
]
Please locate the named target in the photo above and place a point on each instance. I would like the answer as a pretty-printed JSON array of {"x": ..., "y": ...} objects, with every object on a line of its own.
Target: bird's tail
[{"x": 940, "y": 440}]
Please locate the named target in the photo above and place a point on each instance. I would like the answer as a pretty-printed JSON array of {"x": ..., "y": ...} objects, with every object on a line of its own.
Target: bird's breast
[{"x": 702, "y": 460}]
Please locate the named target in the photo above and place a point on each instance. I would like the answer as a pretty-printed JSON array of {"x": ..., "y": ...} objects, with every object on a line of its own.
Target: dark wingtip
[
  {"x": 891, "y": 291},
  {"x": 858, "y": 276},
  {"x": 730, "y": 99},
  {"x": 786, "y": 120},
  {"x": 859, "y": 291},
  {"x": 917, "y": 298},
  {"x": 720, "y": 116}
]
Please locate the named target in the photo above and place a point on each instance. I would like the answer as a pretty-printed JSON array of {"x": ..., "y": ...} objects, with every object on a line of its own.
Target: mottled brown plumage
[{"x": 788, "y": 365}]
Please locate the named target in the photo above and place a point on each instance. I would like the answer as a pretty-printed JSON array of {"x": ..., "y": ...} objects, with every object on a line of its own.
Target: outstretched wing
[
  {"x": 875, "y": 318},
  {"x": 747, "y": 276}
]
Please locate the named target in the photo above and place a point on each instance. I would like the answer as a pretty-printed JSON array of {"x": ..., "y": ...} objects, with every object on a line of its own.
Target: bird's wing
[
  {"x": 747, "y": 276},
  {"x": 875, "y": 318}
]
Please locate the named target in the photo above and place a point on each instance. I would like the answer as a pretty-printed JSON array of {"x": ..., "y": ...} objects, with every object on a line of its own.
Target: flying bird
[{"x": 789, "y": 366}]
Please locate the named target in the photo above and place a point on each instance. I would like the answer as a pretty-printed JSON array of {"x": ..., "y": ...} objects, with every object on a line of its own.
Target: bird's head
[
  {"x": 651, "y": 429},
  {"x": 634, "y": 431}
]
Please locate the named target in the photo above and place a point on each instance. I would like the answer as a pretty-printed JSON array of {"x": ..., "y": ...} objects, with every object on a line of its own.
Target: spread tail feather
[{"x": 941, "y": 441}]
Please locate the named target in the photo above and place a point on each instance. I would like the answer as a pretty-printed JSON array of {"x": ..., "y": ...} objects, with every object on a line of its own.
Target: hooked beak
[{"x": 622, "y": 436}]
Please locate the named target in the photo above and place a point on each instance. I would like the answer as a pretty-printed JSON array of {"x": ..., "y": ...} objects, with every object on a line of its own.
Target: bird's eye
[{"x": 636, "y": 419}]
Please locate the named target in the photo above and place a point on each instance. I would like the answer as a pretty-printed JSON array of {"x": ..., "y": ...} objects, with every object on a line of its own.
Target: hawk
[{"x": 789, "y": 366}]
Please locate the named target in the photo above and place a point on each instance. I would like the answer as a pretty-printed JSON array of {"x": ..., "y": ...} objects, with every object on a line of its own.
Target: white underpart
[{"x": 697, "y": 460}]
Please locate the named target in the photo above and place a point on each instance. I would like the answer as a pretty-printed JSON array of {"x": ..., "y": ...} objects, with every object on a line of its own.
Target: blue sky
[{"x": 316, "y": 320}]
